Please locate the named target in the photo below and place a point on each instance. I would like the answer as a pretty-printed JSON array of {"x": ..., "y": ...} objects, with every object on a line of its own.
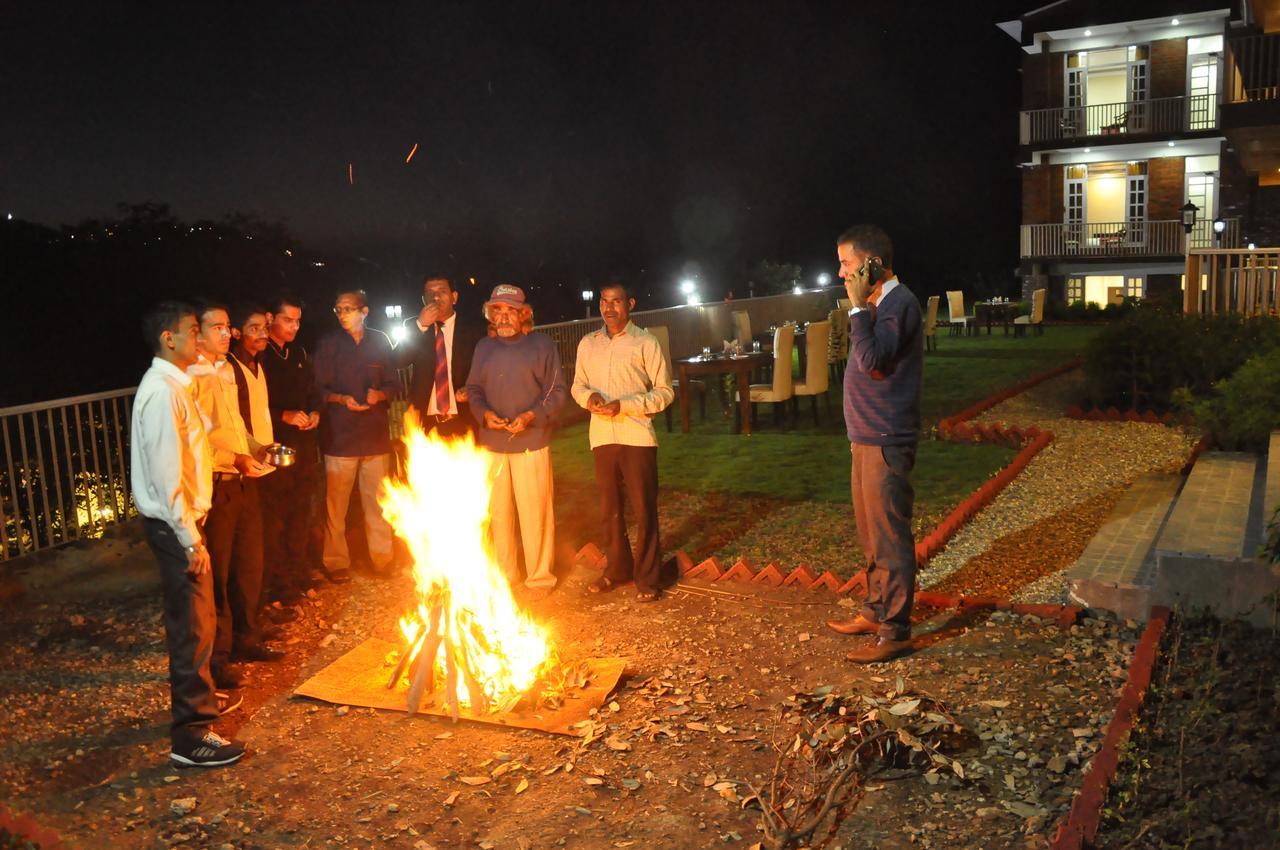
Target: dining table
[
  {"x": 738, "y": 365},
  {"x": 995, "y": 312}
]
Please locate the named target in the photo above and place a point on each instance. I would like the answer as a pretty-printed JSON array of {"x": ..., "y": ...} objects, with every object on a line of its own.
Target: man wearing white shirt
[
  {"x": 439, "y": 345},
  {"x": 621, "y": 378},
  {"x": 171, "y": 474}
]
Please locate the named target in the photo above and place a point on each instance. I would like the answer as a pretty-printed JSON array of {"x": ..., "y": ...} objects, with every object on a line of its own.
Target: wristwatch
[{"x": 194, "y": 548}]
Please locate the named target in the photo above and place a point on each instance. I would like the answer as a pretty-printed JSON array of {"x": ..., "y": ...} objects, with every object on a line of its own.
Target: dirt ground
[
  {"x": 83, "y": 724},
  {"x": 1203, "y": 770}
]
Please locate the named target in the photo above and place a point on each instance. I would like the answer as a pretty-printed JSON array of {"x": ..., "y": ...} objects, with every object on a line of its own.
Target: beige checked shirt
[{"x": 628, "y": 367}]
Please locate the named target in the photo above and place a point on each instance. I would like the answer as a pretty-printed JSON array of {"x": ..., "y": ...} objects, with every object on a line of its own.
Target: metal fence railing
[
  {"x": 64, "y": 472},
  {"x": 1161, "y": 115},
  {"x": 1121, "y": 238}
]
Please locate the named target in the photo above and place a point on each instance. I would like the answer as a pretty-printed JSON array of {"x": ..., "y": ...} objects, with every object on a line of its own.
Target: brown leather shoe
[
  {"x": 882, "y": 650},
  {"x": 859, "y": 625}
]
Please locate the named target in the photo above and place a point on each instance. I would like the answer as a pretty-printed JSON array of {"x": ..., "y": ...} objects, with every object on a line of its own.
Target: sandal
[
  {"x": 647, "y": 596},
  {"x": 604, "y": 584}
]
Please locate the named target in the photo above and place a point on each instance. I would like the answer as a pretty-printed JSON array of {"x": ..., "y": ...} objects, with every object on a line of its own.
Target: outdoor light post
[
  {"x": 690, "y": 290},
  {"x": 1188, "y": 211},
  {"x": 587, "y": 297},
  {"x": 1219, "y": 225}
]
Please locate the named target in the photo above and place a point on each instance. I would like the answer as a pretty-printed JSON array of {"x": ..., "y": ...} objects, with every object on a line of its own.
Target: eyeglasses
[{"x": 343, "y": 311}]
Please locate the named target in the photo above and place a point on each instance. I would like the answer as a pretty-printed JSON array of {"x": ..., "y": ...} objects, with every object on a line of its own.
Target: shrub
[
  {"x": 1244, "y": 409},
  {"x": 1138, "y": 363}
]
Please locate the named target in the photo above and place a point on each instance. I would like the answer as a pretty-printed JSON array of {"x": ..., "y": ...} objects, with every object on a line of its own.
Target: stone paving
[{"x": 1085, "y": 459}]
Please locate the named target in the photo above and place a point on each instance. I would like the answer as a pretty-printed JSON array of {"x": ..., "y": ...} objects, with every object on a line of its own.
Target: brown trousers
[{"x": 882, "y": 504}]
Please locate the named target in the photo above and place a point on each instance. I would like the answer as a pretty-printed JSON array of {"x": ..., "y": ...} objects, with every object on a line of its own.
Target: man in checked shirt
[{"x": 621, "y": 379}]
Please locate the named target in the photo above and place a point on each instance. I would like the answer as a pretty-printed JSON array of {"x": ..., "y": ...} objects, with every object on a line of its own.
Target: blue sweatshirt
[
  {"x": 882, "y": 378},
  {"x": 509, "y": 377}
]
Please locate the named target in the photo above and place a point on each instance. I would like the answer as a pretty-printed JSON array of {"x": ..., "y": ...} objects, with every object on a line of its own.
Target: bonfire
[{"x": 466, "y": 637}]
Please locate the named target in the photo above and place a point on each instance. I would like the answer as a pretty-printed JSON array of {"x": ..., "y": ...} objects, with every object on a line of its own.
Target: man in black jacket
[{"x": 439, "y": 345}]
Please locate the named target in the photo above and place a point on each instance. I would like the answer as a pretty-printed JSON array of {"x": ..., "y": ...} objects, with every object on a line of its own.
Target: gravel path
[{"x": 1085, "y": 461}]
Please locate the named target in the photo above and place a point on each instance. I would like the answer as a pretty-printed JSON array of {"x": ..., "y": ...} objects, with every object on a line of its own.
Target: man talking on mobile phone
[{"x": 882, "y": 416}]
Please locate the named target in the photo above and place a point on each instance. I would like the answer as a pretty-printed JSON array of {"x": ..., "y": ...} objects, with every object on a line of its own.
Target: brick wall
[
  {"x": 1235, "y": 189},
  {"x": 1036, "y": 194},
  {"x": 1042, "y": 81},
  {"x": 1263, "y": 224},
  {"x": 1168, "y": 67},
  {"x": 1057, "y": 203},
  {"x": 1165, "y": 187}
]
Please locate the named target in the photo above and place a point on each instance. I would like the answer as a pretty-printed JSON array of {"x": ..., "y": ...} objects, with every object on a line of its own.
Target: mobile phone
[{"x": 874, "y": 270}]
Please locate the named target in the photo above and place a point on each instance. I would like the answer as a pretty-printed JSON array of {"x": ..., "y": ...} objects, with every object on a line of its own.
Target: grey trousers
[{"x": 882, "y": 504}]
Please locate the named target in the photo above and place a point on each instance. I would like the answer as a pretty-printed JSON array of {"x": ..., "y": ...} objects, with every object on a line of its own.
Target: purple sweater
[
  {"x": 510, "y": 377},
  {"x": 882, "y": 378}
]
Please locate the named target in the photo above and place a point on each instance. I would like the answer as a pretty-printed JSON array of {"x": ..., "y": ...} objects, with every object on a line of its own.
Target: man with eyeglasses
[
  {"x": 355, "y": 379},
  {"x": 440, "y": 344},
  {"x": 234, "y": 523}
]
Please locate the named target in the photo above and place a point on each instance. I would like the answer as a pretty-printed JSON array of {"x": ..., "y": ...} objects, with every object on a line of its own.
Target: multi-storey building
[{"x": 1130, "y": 111}]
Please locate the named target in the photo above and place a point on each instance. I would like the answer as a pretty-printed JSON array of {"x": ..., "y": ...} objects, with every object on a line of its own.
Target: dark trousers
[
  {"x": 633, "y": 471},
  {"x": 234, "y": 529},
  {"x": 882, "y": 504},
  {"x": 291, "y": 532},
  {"x": 189, "y": 626}
]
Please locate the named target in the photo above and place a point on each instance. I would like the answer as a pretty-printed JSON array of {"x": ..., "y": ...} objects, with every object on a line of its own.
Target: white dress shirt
[
  {"x": 171, "y": 468},
  {"x": 888, "y": 287},
  {"x": 447, "y": 326},
  {"x": 629, "y": 368}
]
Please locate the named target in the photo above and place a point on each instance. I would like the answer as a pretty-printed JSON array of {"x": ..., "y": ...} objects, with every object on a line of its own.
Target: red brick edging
[
  {"x": 1081, "y": 824},
  {"x": 954, "y": 428},
  {"x": 1112, "y": 414}
]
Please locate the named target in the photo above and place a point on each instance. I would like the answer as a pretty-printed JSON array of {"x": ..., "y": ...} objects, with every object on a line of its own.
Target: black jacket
[{"x": 420, "y": 352}]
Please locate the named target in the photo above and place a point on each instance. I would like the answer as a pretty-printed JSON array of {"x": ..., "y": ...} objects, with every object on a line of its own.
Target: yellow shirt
[
  {"x": 214, "y": 388},
  {"x": 630, "y": 368}
]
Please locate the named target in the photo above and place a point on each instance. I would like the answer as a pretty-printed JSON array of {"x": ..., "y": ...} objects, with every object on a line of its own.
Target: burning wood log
[{"x": 421, "y": 678}]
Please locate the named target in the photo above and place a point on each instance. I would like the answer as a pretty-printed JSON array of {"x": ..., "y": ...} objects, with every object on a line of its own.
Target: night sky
[{"x": 557, "y": 142}]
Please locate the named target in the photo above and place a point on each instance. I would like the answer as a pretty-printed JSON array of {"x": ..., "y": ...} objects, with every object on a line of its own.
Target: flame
[{"x": 491, "y": 651}]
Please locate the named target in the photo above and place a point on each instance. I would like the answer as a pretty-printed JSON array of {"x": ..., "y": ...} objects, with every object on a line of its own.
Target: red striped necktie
[{"x": 442, "y": 372}]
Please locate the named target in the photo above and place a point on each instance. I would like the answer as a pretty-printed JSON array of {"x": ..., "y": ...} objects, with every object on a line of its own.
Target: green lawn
[{"x": 731, "y": 495}]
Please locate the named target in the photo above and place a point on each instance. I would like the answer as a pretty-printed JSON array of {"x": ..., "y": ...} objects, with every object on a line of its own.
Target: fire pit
[{"x": 469, "y": 650}]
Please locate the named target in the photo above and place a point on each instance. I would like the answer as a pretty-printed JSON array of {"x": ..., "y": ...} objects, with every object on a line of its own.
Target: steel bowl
[{"x": 279, "y": 454}]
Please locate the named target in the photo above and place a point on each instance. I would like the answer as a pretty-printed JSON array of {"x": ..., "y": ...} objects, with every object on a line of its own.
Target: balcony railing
[
  {"x": 1233, "y": 281},
  {"x": 1122, "y": 239},
  {"x": 1162, "y": 115},
  {"x": 1253, "y": 68}
]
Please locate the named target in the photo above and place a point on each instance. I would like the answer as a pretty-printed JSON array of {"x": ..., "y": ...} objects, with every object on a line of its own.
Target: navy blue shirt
[
  {"x": 345, "y": 368},
  {"x": 882, "y": 379},
  {"x": 510, "y": 377}
]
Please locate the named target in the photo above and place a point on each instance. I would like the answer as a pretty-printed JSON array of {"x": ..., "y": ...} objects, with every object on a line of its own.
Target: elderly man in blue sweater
[
  {"x": 882, "y": 416},
  {"x": 514, "y": 388}
]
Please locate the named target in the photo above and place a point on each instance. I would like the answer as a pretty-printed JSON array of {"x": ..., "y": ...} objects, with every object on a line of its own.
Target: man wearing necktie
[{"x": 439, "y": 345}]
